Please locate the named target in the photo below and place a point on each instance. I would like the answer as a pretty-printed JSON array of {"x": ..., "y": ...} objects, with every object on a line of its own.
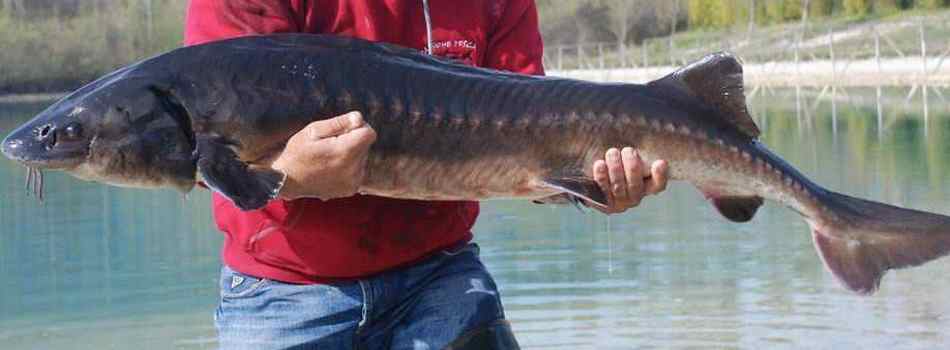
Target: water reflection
[{"x": 96, "y": 266}]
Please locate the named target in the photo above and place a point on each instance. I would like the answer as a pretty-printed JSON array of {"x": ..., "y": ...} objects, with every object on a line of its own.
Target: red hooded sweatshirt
[{"x": 312, "y": 241}]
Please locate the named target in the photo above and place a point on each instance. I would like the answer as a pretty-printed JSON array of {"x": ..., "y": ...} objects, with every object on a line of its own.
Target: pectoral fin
[
  {"x": 249, "y": 187},
  {"x": 562, "y": 199},
  {"x": 579, "y": 187}
]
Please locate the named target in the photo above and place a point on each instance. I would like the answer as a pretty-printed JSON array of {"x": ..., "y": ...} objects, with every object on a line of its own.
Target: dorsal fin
[{"x": 716, "y": 81}]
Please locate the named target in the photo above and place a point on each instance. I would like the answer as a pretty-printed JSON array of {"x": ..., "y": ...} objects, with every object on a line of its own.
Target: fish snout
[
  {"x": 46, "y": 146},
  {"x": 30, "y": 143},
  {"x": 11, "y": 147}
]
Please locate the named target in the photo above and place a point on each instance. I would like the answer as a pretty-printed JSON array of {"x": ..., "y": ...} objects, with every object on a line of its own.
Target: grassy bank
[
  {"x": 54, "y": 52},
  {"x": 57, "y": 45}
]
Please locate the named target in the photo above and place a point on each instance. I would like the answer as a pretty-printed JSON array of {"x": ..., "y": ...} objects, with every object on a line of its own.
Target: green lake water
[{"x": 99, "y": 267}]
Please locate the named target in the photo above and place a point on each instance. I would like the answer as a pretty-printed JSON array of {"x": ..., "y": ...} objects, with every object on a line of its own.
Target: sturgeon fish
[{"x": 220, "y": 113}]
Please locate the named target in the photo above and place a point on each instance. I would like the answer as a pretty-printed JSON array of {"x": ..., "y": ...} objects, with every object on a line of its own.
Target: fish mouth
[
  {"x": 36, "y": 157},
  {"x": 12, "y": 148},
  {"x": 41, "y": 162}
]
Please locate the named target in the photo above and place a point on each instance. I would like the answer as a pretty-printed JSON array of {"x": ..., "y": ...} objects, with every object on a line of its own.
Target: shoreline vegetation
[{"x": 59, "y": 45}]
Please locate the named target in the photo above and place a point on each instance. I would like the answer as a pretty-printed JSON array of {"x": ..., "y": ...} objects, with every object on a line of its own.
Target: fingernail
[
  {"x": 627, "y": 152},
  {"x": 613, "y": 153},
  {"x": 355, "y": 118}
]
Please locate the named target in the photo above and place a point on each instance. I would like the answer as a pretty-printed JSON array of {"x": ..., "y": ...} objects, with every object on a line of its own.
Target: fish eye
[{"x": 73, "y": 130}]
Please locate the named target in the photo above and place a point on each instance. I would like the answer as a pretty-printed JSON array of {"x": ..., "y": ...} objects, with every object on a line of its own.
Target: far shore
[
  {"x": 28, "y": 98},
  {"x": 858, "y": 73}
]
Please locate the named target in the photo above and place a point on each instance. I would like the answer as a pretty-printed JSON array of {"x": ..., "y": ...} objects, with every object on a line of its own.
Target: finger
[
  {"x": 359, "y": 137},
  {"x": 612, "y": 209},
  {"x": 618, "y": 181},
  {"x": 603, "y": 179},
  {"x": 335, "y": 126},
  {"x": 633, "y": 169},
  {"x": 659, "y": 176}
]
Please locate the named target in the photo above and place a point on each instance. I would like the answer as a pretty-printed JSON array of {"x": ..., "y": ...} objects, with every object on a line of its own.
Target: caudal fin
[{"x": 859, "y": 240}]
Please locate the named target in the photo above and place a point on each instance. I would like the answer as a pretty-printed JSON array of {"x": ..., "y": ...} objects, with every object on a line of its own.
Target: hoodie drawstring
[{"x": 425, "y": 10}]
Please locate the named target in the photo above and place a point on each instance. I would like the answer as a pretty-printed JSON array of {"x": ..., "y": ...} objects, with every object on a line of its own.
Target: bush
[
  {"x": 857, "y": 8},
  {"x": 932, "y": 4}
]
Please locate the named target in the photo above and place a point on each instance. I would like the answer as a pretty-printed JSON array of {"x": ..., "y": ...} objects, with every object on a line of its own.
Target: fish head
[
  {"x": 52, "y": 140},
  {"x": 123, "y": 129}
]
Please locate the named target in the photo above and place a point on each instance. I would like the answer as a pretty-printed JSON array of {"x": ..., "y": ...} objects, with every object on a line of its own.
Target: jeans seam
[
  {"x": 366, "y": 300},
  {"x": 364, "y": 318}
]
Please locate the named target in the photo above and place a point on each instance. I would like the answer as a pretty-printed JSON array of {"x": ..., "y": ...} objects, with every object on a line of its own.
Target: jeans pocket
[{"x": 237, "y": 285}]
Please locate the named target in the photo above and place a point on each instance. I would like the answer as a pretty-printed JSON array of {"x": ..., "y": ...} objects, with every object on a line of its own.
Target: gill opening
[{"x": 176, "y": 109}]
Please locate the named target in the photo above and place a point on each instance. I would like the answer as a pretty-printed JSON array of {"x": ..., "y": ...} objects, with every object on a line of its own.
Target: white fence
[{"x": 909, "y": 52}]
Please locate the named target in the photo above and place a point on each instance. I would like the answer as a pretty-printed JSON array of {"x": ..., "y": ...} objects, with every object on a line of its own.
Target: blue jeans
[{"x": 425, "y": 306}]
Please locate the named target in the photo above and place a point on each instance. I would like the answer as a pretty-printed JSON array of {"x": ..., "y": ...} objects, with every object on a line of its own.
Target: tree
[
  {"x": 672, "y": 12},
  {"x": 886, "y": 7},
  {"x": 792, "y": 9},
  {"x": 558, "y": 26},
  {"x": 821, "y": 8},
  {"x": 620, "y": 15},
  {"x": 857, "y": 8},
  {"x": 591, "y": 26},
  {"x": 700, "y": 13}
]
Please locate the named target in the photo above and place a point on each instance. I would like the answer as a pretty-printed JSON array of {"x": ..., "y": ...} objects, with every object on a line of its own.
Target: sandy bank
[{"x": 890, "y": 72}]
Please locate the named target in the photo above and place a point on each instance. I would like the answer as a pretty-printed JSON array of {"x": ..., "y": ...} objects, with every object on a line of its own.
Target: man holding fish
[
  {"x": 325, "y": 267},
  {"x": 393, "y": 266}
]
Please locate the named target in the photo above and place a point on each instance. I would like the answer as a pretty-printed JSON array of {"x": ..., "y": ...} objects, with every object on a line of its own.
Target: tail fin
[{"x": 859, "y": 240}]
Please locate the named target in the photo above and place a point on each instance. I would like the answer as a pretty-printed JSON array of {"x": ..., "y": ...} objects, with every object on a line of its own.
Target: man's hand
[
  {"x": 626, "y": 179},
  {"x": 327, "y": 159}
]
